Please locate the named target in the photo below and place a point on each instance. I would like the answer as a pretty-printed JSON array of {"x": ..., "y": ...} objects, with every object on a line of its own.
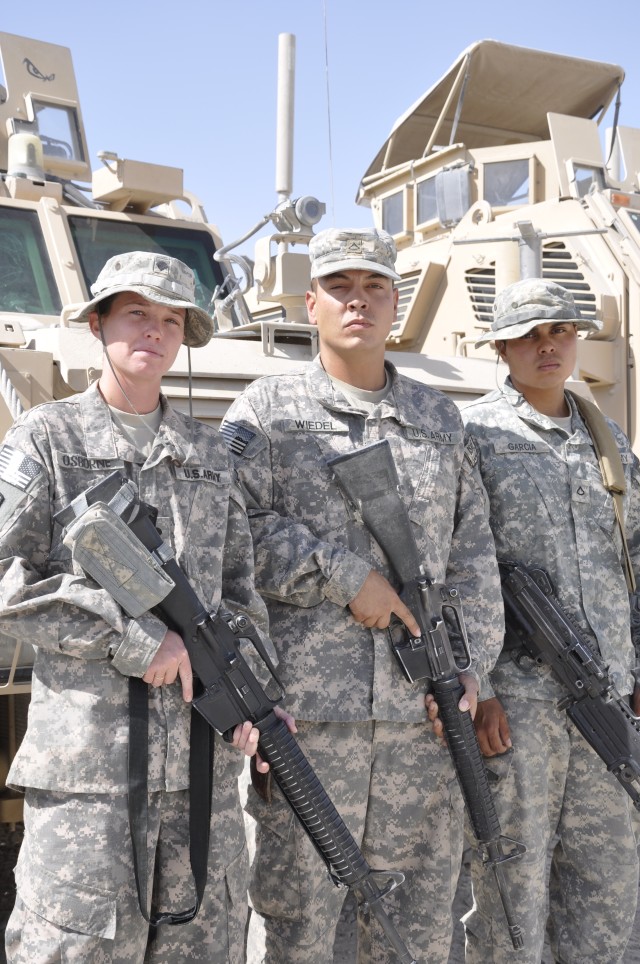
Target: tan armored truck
[{"x": 498, "y": 171}]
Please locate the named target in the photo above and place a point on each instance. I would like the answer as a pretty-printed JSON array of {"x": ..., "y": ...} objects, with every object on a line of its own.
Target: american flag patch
[
  {"x": 236, "y": 436},
  {"x": 18, "y": 469}
]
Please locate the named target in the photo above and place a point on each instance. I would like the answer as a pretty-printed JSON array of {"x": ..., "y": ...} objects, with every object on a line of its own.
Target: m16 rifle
[
  {"x": 115, "y": 540},
  {"x": 538, "y": 624},
  {"x": 369, "y": 479}
]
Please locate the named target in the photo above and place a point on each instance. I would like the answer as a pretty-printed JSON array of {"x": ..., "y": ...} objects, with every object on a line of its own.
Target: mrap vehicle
[{"x": 498, "y": 172}]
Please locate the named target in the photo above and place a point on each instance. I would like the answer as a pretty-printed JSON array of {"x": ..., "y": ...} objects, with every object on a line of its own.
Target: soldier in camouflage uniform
[
  {"x": 329, "y": 594},
  {"x": 549, "y": 509},
  {"x": 77, "y": 897}
]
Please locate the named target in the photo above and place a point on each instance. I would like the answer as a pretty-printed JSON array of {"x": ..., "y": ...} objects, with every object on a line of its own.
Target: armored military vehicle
[{"x": 499, "y": 170}]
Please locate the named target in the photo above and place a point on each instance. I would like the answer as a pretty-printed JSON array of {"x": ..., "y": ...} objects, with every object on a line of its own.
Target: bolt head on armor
[
  {"x": 157, "y": 277},
  {"x": 354, "y": 249}
]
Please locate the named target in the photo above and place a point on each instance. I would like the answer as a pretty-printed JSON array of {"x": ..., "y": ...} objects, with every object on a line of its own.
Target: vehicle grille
[
  {"x": 558, "y": 265},
  {"x": 406, "y": 288}
]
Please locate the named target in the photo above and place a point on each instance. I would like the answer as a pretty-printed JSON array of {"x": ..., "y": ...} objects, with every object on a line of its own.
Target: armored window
[
  {"x": 426, "y": 203},
  {"x": 392, "y": 213},
  {"x": 584, "y": 176},
  {"x": 59, "y": 131},
  {"x": 26, "y": 278},
  {"x": 506, "y": 183}
]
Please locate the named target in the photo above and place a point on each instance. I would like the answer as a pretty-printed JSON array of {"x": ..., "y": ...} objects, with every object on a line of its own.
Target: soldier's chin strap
[{"x": 106, "y": 549}]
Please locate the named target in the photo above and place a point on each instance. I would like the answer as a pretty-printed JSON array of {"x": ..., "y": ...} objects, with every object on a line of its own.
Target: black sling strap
[{"x": 200, "y": 790}]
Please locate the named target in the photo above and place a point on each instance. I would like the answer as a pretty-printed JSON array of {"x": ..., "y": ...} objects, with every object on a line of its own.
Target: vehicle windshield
[
  {"x": 26, "y": 278},
  {"x": 98, "y": 239}
]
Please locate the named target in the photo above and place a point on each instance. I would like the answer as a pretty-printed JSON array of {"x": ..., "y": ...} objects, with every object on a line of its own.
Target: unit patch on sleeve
[
  {"x": 18, "y": 469},
  {"x": 19, "y": 473},
  {"x": 236, "y": 436}
]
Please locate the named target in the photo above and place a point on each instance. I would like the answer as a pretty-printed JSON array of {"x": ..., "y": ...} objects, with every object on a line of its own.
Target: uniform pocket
[
  {"x": 74, "y": 906},
  {"x": 275, "y": 858}
]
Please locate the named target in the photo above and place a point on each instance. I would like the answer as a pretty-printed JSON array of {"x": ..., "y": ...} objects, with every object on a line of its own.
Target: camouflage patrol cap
[
  {"x": 533, "y": 301},
  {"x": 159, "y": 278},
  {"x": 353, "y": 250}
]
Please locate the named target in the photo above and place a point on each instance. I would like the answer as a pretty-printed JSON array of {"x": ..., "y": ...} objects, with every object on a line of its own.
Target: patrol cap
[
  {"x": 158, "y": 278},
  {"x": 533, "y": 301},
  {"x": 353, "y": 249}
]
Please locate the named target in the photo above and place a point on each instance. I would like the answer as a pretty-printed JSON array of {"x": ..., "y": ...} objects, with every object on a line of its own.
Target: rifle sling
[
  {"x": 612, "y": 470},
  {"x": 200, "y": 789}
]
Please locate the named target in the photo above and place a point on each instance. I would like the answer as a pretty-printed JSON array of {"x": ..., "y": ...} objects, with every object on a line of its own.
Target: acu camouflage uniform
[
  {"x": 77, "y": 894},
  {"x": 549, "y": 508},
  {"x": 362, "y": 725}
]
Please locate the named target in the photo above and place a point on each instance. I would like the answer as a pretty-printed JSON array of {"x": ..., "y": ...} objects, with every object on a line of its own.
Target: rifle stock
[
  {"x": 369, "y": 479},
  {"x": 227, "y": 693}
]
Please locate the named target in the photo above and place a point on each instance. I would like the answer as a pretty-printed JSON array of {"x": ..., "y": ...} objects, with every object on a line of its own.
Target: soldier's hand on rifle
[
  {"x": 170, "y": 661},
  {"x": 248, "y": 736},
  {"x": 469, "y": 701},
  {"x": 492, "y": 727},
  {"x": 376, "y": 601}
]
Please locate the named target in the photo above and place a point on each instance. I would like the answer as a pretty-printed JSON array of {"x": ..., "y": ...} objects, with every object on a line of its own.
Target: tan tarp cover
[{"x": 507, "y": 94}]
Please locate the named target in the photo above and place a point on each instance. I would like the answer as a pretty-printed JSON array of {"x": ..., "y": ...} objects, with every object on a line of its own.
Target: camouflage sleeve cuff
[
  {"x": 347, "y": 580},
  {"x": 486, "y": 689},
  {"x": 473, "y": 673},
  {"x": 139, "y": 645}
]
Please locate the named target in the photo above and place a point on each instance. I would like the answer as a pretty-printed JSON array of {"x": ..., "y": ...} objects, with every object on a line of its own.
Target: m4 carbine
[
  {"x": 114, "y": 538},
  {"x": 369, "y": 479},
  {"x": 540, "y": 626}
]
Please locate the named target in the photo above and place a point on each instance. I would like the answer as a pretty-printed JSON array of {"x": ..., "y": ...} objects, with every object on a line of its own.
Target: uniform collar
[
  {"x": 529, "y": 414},
  {"x": 397, "y": 404},
  {"x": 103, "y": 440}
]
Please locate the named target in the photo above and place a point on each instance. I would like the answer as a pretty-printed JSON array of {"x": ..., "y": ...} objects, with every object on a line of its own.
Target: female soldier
[
  {"x": 77, "y": 897},
  {"x": 549, "y": 508}
]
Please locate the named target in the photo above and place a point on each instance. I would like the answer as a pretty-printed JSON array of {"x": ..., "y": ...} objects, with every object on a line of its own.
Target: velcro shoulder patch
[
  {"x": 237, "y": 436},
  {"x": 19, "y": 474},
  {"x": 18, "y": 469}
]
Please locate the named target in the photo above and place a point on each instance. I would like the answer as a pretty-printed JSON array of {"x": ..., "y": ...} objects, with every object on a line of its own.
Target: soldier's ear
[
  {"x": 310, "y": 300},
  {"x": 94, "y": 323}
]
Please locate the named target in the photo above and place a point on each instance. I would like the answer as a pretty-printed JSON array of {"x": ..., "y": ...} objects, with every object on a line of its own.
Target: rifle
[
  {"x": 115, "y": 540},
  {"x": 369, "y": 479},
  {"x": 549, "y": 635}
]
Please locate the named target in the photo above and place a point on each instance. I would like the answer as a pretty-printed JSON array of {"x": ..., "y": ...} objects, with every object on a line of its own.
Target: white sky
[{"x": 193, "y": 83}]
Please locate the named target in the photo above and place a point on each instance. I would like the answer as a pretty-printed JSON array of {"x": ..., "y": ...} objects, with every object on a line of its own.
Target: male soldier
[
  {"x": 76, "y": 877},
  {"x": 550, "y": 509},
  {"x": 329, "y": 593}
]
